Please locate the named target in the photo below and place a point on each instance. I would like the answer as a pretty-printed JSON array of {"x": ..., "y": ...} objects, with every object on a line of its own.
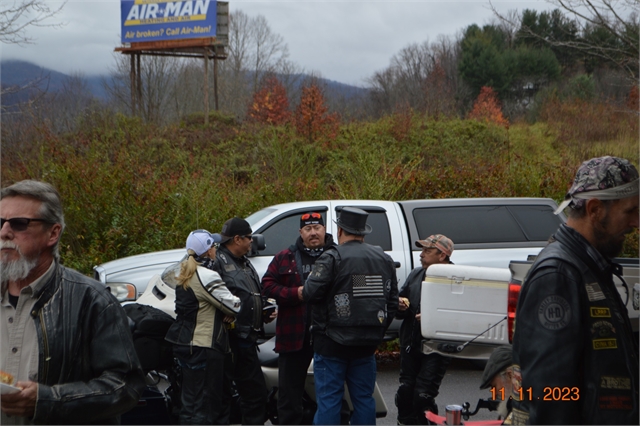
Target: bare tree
[
  {"x": 422, "y": 76},
  {"x": 18, "y": 15},
  {"x": 254, "y": 51},
  {"x": 618, "y": 18}
]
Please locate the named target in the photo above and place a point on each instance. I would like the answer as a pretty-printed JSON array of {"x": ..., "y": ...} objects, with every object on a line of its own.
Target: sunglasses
[
  {"x": 307, "y": 216},
  {"x": 20, "y": 224},
  {"x": 248, "y": 237}
]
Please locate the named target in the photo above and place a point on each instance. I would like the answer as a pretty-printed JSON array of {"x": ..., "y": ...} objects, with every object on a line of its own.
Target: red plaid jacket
[{"x": 281, "y": 282}]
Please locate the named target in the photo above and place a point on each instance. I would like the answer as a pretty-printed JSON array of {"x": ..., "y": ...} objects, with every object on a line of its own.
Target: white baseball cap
[{"x": 201, "y": 240}]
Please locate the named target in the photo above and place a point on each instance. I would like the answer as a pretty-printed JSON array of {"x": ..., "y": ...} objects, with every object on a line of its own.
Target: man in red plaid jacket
[{"x": 283, "y": 282}]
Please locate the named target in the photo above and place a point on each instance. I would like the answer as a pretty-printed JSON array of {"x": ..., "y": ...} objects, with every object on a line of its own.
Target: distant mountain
[{"x": 21, "y": 73}]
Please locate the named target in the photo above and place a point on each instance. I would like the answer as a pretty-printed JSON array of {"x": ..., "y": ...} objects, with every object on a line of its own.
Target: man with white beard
[{"x": 63, "y": 336}]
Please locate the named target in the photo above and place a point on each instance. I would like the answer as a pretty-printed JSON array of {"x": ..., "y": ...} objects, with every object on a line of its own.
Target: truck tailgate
[{"x": 459, "y": 303}]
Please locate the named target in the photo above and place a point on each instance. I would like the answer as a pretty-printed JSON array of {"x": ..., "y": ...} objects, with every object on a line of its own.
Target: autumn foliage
[
  {"x": 270, "y": 104},
  {"x": 487, "y": 108},
  {"x": 312, "y": 118}
]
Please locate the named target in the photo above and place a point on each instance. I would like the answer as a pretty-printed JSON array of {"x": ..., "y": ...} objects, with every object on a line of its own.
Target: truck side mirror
[
  {"x": 397, "y": 264},
  {"x": 257, "y": 244}
]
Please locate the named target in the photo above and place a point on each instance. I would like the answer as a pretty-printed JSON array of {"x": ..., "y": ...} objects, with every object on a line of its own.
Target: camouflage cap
[
  {"x": 604, "y": 178},
  {"x": 438, "y": 241}
]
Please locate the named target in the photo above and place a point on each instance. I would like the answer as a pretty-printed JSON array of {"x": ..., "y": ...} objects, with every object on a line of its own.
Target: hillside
[
  {"x": 14, "y": 73},
  {"x": 19, "y": 74},
  {"x": 149, "y": 185}
]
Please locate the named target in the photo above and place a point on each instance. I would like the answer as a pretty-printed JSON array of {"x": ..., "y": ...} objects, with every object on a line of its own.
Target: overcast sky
[{"x": 346, "y": 41}]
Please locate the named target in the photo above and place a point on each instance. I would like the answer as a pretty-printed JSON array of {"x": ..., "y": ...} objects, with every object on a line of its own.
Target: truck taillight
[{"x": 512, "y": 302}]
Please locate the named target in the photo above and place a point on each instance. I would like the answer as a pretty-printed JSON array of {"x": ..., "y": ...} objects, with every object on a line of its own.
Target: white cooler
[{"x": 458, "y": 303}]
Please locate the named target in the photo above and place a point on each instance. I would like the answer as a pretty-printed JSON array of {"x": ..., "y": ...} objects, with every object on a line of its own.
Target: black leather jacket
[
  {"x": 243, "y": 281},
  {"x": 354, "y": 290},
  {"x": 410, "y": 333},
  {"x": 573, "y": 349},
  {"x": 88, "y": 369}
]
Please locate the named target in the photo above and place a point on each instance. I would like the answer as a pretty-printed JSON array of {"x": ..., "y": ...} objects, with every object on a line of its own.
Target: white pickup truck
[
  {"x": 468, "y": 310},
  {"x": 488, "y": 232}
]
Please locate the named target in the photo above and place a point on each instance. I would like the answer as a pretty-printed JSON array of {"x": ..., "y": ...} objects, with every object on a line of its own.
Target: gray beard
[{"x": 17, "y": 269}]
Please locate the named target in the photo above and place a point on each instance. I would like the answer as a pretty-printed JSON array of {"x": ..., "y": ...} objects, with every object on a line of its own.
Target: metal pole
[
  {"x": 139, "y": 83},
  {"x": 215, "y": 80},
  {"x": 132, "y": 82},
  {"x": 206, "y": 86}
]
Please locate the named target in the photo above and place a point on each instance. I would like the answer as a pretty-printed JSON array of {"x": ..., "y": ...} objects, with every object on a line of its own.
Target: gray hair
[{"x": 51, "y": 209}]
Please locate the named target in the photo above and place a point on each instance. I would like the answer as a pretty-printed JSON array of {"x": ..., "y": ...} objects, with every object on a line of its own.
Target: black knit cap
[{"x": 311, "y": 218}]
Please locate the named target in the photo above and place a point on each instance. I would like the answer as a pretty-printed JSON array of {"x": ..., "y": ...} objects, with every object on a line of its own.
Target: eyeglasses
[
  {"x": 19, "y": 224},
  {"x": 248, "y": 237},
  {"x": 306, "y": 216}
]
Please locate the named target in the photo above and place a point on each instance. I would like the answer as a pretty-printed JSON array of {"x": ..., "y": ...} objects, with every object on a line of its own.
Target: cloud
[{"x": 346, "y": 41}]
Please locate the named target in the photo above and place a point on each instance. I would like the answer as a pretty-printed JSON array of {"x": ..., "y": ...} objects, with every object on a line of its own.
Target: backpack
[{"x": 150, "y": 327}]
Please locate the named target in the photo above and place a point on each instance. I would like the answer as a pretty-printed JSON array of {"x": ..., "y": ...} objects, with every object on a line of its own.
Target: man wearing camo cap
[
  {"x": 420, "y": 374},
  {"x": 574, "y": 353}
]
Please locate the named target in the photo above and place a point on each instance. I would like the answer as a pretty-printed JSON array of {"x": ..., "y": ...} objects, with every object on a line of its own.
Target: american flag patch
[{"x": 367, "y": 285}]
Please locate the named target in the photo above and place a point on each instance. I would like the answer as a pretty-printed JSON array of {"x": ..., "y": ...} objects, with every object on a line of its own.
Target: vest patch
[
  {"x": 599, "y": 344},
  {"x": 594, "y": 292},
  {"x": 554, "y": 313},
  {"x": 342, "y": 304},
  {"x": 367, "y": 286},
  {"x": 599, "y": 312},
  {"x": 229, "y": 267},
  {"x": 608, "y": 382},
  {"x": 615, "y": 402},
  {"x": 602, "y": 329},
  {"x": 381, "y": 316}
]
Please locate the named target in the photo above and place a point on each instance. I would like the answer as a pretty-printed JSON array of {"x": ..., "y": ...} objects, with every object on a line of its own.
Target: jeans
[
  {"x": 292, "y": 375},
  {"x": 330, "y": 375}
]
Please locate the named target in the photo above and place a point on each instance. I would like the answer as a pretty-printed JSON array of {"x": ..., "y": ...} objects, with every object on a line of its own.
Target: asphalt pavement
[{"x": 460, "y": 384}]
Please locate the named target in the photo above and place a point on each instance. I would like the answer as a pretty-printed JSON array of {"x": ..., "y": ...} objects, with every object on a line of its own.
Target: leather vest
[
  {"x": 357, "y": 304},
  {"x": 610, "y": 390},
  {"x": 607, "y": 364},
  {"x": 242, "y": 280}
]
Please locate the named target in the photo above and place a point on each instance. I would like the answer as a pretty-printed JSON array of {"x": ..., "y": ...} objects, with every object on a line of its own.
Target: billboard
[{"x": 154, "y": 20}]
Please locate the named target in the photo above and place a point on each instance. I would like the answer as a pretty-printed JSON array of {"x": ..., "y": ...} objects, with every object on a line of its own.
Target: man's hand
[
  {"x": 300, "y": 293},
  {"x": 23, "y": 403},
  {"x": 418, "y": 316},
  {"x": 273, "y": 316},
  {"x": 403, "y": 303},
  {"x": 228, "y": 319}
]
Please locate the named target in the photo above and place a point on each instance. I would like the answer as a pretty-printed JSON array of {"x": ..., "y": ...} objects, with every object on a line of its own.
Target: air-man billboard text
[{"x": 153, "y": 20}]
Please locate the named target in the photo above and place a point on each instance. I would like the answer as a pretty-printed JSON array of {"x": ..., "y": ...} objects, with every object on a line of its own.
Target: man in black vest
[
  {"x": 242, "y": 280},
  {"x": 420, "y": 374},
  {"x": 353, "y": 291},
  {"x": 574, "y": 354}
]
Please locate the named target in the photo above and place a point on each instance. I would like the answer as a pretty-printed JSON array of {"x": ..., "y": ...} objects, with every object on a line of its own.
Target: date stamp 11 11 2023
[{"x": 549, "y": 393}]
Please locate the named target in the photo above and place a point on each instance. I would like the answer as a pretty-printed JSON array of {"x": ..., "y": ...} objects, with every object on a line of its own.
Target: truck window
[
  {"x": 281, "y": 234},
  {"x": 538, "y": 222},
  {"x": 380, "y": 233},
  {"x": 488, "y": 224},
  {"x": 468, "y": 225}
]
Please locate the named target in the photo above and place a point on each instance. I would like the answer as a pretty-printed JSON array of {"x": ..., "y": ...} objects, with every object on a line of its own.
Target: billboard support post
[{"x": 205, "y": 56}]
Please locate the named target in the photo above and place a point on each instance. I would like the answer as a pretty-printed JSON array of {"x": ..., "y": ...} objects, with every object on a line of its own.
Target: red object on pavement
[{"x": 439, "y": 420}]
